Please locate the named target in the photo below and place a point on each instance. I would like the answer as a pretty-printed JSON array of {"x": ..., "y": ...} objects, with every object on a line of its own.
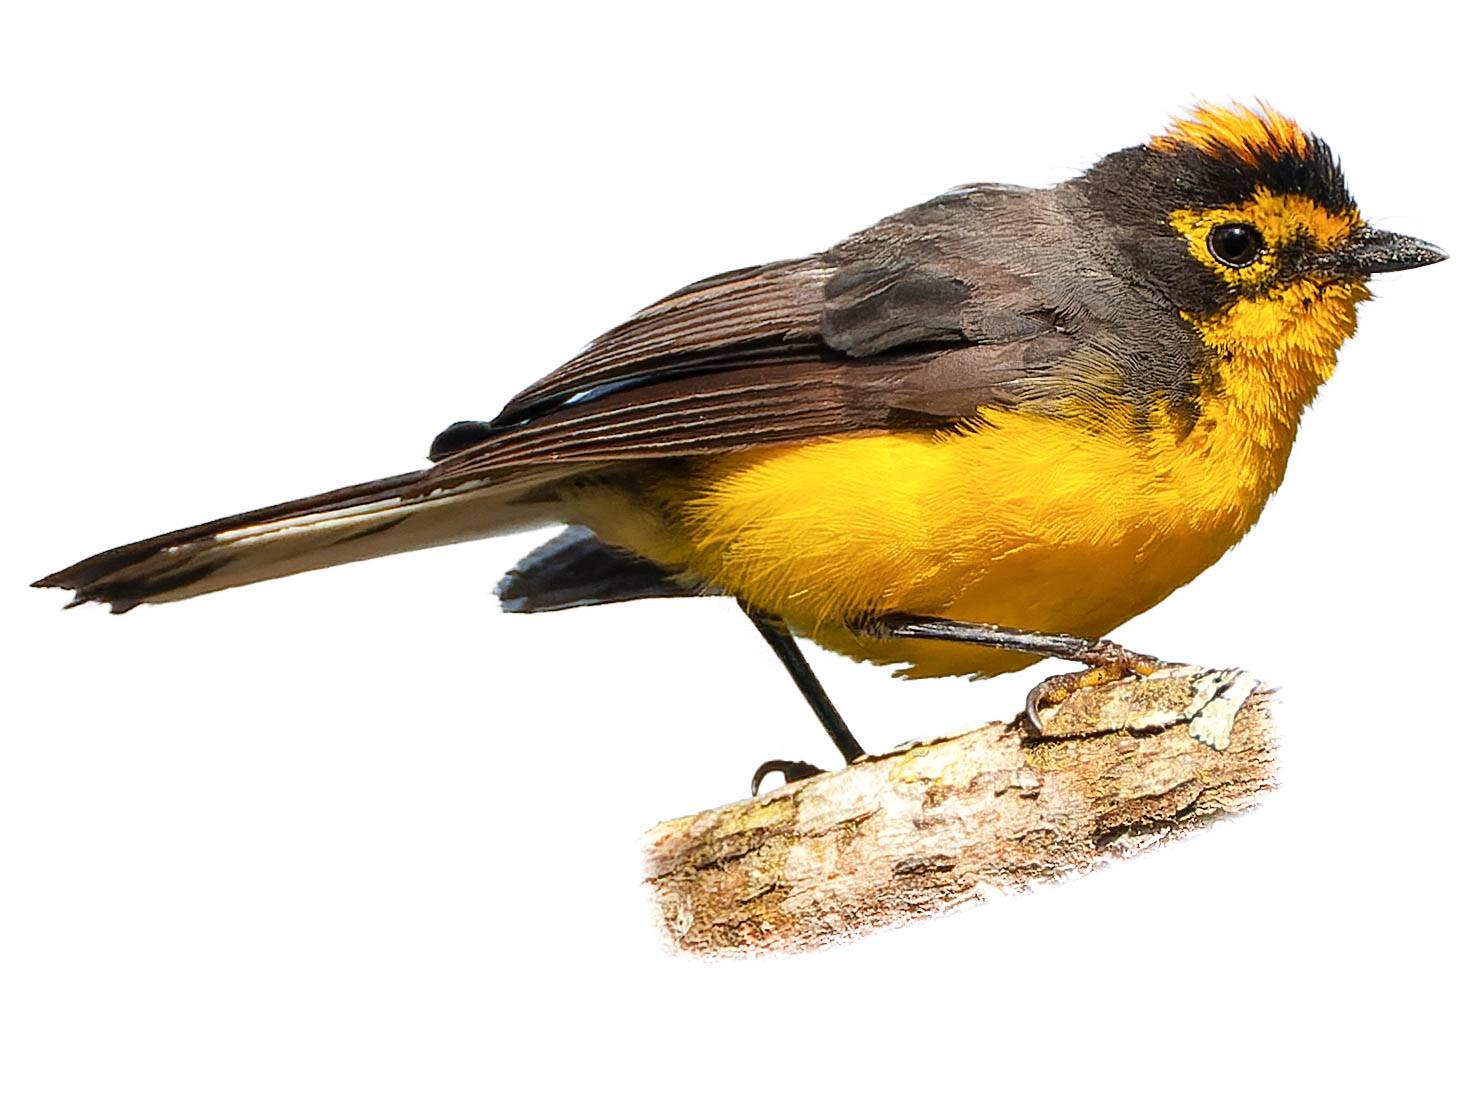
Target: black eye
[{"x": 1235, "y": 244}]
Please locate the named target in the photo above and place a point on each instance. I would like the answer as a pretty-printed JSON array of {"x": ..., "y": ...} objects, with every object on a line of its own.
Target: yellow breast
[{"x": 1031, "y": 522}]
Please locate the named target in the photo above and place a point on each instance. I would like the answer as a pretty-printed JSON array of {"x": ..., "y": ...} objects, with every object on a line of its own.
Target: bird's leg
[
  {"x": 1106, "y": 661},
  {"x": 774, "y": 631}
]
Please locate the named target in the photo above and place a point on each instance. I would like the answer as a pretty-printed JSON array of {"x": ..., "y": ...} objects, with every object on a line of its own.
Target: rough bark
[{"x": 932, "y": 826}]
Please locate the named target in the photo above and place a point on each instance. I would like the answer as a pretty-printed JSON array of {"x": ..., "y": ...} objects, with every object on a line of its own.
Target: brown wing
[
  {"x": 912, "y": 324},
  {"x": 736, "y": 407},
  {"x": 770, "y": 312}
]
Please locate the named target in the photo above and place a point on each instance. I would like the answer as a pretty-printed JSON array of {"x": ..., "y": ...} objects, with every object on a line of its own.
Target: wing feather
[
  {"x": 766, "y": 312},
  {"x": 741, "y": 408},
  {"x": 916, "y": 323}
]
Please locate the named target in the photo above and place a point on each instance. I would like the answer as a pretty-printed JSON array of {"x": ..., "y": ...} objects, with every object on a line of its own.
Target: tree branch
[{"x": 932, "y": 826}]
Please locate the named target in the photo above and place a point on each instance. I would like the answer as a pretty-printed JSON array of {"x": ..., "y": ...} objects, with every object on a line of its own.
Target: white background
[{"x": 356, "y": 835}]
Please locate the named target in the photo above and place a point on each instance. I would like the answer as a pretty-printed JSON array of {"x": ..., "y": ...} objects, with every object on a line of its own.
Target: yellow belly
[{"x": 1052, "y": 524}]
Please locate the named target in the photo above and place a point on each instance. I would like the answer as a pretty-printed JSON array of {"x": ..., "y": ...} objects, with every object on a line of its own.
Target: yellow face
[
  {"x": 1280, "y": 222},
  {"x": 1281, "y": 312}
]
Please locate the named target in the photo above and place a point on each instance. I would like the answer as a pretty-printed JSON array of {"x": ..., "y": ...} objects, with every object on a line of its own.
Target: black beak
[{"x": 1369, "y": 251}]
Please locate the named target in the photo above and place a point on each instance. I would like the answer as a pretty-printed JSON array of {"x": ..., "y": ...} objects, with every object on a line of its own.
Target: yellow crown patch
[{"x": 1252, "y": 135}]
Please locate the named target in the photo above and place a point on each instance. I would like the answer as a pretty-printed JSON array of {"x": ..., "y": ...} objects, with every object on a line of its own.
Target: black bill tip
[{"x": 1368, "y": 252}]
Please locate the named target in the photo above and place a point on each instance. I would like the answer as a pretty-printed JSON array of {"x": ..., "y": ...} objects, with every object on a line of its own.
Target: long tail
[{"x": 341, "y": 526}]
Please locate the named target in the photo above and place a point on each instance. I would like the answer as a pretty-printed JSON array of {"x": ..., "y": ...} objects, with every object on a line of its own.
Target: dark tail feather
[
  {"x": 341, "y": 526},
  {"x": 576, "y": 568}
]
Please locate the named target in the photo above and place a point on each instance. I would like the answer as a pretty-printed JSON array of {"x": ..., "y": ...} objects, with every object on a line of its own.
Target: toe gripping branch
[{"x": 1106, "y": 661}]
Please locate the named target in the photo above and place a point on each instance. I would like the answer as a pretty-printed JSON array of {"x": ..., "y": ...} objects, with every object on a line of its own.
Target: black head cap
[{"x": 1222, "y": 155}]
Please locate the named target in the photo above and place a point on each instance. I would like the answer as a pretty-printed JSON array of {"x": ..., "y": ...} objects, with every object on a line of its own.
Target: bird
[{"x": 985, "y": 430}]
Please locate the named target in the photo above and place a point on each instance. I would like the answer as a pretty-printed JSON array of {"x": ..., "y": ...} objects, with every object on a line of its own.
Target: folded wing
[{"x": 896, "y": 329}]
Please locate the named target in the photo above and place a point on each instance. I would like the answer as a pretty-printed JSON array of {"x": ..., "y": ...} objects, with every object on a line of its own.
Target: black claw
[
  {"x": 790, "y": 771},
  {"x": 1033, "y": 711}
]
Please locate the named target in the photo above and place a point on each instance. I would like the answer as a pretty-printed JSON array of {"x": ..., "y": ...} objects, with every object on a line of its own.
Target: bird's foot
[
  {"x": 790, "y": 771},
  {"x": 1107, "y": 663}
]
